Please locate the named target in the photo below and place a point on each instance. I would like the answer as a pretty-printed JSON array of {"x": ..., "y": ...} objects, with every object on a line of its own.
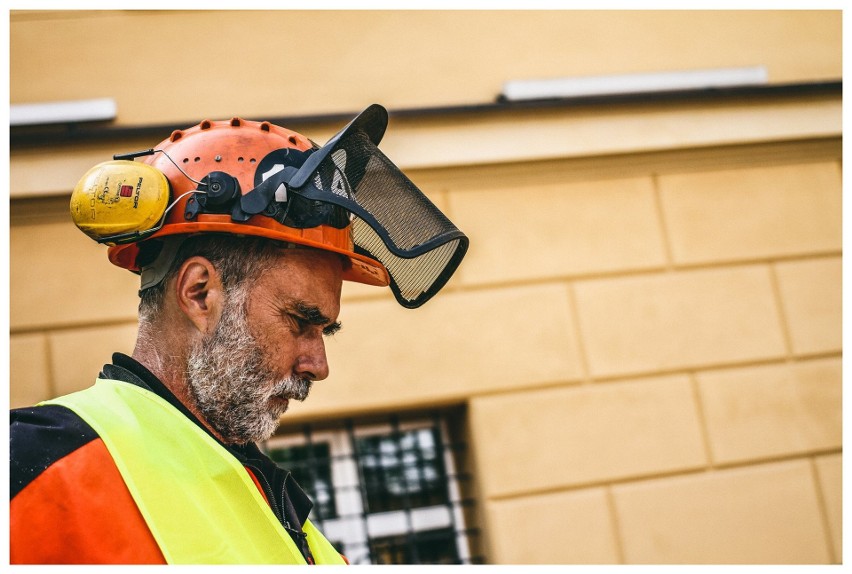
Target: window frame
[{"x": 353, "y": 529}]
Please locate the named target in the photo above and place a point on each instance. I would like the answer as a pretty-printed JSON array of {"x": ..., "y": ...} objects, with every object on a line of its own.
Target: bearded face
[{"x": 236, "y": 389}]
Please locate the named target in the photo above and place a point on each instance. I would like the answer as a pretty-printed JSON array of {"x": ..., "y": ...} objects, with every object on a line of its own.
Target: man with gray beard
[
  {"x": 242, "y": 233},
  {"x": 228, "y": 377}
]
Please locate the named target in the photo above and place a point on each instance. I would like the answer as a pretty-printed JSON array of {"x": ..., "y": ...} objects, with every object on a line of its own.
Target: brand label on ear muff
[{"x": 117, "y": 197}]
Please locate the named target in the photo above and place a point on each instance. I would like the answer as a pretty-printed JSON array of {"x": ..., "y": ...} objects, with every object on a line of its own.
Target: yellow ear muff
[{"x": 119, "y": 196}]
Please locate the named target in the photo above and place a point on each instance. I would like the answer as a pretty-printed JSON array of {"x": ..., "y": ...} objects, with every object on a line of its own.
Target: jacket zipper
[
  {"x": 270, "y": 494},
  {"x": 279, "y": 513}
]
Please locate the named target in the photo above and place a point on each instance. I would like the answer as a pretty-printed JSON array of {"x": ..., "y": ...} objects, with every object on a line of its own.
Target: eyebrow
[{"x": 313, "y": 315}]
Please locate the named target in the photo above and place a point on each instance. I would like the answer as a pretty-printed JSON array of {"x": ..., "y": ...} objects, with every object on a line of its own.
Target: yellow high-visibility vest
[{"x": 199, "y": 502}]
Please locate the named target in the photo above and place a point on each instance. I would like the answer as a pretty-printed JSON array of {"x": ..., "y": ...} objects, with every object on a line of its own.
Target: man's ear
[{"x": 198, "y": 288}]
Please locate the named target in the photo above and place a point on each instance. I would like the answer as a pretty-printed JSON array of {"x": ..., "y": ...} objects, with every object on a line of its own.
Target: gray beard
[{"x": 231, "y": 383}]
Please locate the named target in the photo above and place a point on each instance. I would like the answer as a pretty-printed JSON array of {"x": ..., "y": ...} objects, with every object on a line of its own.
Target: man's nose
[{"x": 312, "y": 362}]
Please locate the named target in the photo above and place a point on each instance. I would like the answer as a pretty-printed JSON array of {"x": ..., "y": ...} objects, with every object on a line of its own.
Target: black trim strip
[
  {"x": 51, "y": 135},
  {"x": 40, "y": 436}
]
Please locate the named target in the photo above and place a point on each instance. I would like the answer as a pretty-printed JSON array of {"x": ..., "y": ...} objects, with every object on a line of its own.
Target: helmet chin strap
[{"x": 155, "y": 272}]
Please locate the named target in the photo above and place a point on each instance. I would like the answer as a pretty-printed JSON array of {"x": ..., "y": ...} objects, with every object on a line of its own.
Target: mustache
[{"x": 293, "y": 387}]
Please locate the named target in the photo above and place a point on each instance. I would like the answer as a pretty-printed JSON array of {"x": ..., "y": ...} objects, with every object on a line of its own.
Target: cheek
[{"x": 277, "y": 345}]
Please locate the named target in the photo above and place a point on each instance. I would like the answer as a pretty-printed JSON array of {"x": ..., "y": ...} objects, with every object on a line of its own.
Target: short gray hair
[{"x": 236, "y": 258}]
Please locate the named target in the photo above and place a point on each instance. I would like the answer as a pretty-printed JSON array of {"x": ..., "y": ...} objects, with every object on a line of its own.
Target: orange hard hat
[
  {"x": 253, "y": 178},
  {"x": 245, "y": 151}
]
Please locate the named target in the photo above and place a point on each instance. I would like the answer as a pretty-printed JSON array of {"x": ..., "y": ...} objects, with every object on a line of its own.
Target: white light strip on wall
[
  {"x": 633, "y": 83},
  {"x": 62, "y": 112}
]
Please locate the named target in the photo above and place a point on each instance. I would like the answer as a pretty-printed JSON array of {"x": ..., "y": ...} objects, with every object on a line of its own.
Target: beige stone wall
[
  {"x": 646, "y": 332},
  {"x": 704, "y": 413},
  {"x": 168, "y": 65}
]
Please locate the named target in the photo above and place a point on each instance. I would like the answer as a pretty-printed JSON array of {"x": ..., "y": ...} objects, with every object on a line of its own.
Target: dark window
[
  {"x": 402, "y": 470},
  {"x": 386, "y": 491},
  {"x": 310, "y": 465}
]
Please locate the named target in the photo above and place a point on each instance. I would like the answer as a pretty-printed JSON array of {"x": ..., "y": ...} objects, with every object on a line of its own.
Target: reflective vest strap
[{"x": 197, "y": 499}]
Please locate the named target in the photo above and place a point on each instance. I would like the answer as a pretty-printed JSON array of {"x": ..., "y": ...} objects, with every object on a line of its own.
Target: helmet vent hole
[
  {"x": 205, "y": 125},
  {"x": 197, "y": 159},
  {"x": 236, "y": 122},
  {"x": 176, "y": 135},
  {"x": 264, "y": 126},
  {"x": 240, "y": 159},
  {"x": 293, "y": 140},
  {"x": 186, "y": 160},
  {"x": 252, "y": 160}
]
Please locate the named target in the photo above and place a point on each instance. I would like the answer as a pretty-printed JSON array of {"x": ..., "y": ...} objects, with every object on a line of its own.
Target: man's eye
[{"x": 331, "y": 330}]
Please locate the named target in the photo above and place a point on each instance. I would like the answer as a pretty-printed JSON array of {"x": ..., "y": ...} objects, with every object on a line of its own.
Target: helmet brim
[{"x": 356, "y": 267}]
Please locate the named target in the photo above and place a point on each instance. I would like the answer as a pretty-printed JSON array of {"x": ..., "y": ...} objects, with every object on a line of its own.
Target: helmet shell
[{"x": 246, "y": 150}]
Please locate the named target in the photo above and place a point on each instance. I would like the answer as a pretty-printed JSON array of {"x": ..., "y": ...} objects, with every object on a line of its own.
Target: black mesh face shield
[{"x": 392, "y": 220}]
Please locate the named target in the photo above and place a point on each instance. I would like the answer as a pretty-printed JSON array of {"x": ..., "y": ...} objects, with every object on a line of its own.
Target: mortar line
[
  {"x": 645, "y": 375},
  {"x": 578, "y": 333},
  {"x": 470, "y": 287},
  {"x": 65, "y": 327},
  {"x": 661, "y": 216},
  {"x": 779, "y": 307},
  {"x": 650, "y": 476},
  {"x": 51, "y": 376},
  {"x": 616, "y": 524},
  {"x": 823, "y": 511},
  {"x": 702, "y": 421}
]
